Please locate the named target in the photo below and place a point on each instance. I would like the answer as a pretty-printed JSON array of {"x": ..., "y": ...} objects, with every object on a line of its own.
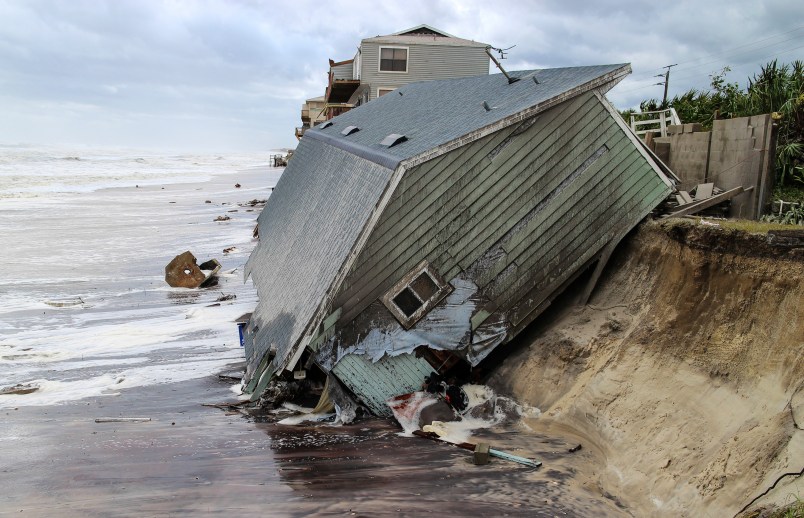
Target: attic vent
[
  {"x": 416, "y": 294},
  {"x": 486, "y": 106},
  {"x": 325, "y": 124},
  {"x": 393, "y": 139},
  {"x": 348, "y": 130},
  {"x": 535, "y": 80}
]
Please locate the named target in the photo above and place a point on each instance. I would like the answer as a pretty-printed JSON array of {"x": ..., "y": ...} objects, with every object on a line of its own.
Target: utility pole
[{"x": 666, "y": 83}]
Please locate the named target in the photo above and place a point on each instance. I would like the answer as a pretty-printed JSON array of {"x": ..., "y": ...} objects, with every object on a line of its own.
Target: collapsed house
[{"x": 432, "y": 225}]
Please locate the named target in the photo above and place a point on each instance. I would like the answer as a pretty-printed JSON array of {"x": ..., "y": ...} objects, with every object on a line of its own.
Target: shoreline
[{"x": 191, "y": 459}]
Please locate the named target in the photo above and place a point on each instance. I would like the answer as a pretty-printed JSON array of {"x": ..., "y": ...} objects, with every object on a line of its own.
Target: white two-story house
[{"x": 384, "y": 63}]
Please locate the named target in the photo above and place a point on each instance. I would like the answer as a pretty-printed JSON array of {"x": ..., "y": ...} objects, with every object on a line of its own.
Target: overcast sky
[{"x": 224, "y": 75}]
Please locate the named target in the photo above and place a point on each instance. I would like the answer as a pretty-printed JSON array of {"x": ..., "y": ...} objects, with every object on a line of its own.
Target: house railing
[{"x": 656, "y": 121}]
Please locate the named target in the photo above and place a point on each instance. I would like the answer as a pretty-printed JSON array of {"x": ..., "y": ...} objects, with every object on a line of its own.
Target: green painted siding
[
  {"x": 545, "y": 198},
  {"x": 375, "y": 383}
]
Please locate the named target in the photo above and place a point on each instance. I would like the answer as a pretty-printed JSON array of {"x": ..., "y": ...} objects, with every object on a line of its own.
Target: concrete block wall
[{"x": 735, "y": 153}]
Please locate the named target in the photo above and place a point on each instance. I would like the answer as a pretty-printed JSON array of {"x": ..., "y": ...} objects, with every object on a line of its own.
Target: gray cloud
[{"x": 218, "y": 74}]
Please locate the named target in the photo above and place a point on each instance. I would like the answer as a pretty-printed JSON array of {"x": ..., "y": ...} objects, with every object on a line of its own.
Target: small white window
[
  {"x": 393, "y": 59},
  {"x": 383, "y": 91},
  {"x": 416, "y": 294}
]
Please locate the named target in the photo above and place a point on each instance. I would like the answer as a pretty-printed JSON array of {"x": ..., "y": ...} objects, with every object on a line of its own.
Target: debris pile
[{"x": 705, "y": 199}]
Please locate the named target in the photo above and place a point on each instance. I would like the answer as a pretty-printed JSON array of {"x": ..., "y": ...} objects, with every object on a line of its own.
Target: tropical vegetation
[{"x": 777, "y": 89}]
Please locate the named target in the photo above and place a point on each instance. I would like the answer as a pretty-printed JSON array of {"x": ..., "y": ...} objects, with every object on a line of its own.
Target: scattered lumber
[
  {"x": 704, "y": 191},
  {"x": 697, "y": 206},
  {"x": 684, "y": 197}
]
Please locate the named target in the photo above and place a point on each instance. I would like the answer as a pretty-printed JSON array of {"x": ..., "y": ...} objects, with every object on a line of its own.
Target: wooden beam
[
  {"x": 605, "y": 255},
  {"x": 709, "y": 202}
]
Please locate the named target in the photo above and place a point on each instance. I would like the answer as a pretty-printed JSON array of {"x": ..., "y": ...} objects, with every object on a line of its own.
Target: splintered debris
[
  {"x": 227, "y": 405},
  {"x": 703, "y": 197},
  {"x": 225, "y": 297},
  {"x": 254, "y": 203},
  {"x": 230, "y": 249},
  {"x": 222, "y": 218},
  {"x": 65, "y": 303},
  {"x": 19, "y": 389},
  {"x": 122, "y": 419}
]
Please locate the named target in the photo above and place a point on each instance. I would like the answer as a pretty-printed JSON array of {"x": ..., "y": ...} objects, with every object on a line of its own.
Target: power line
[
  {"x": 721, "y": 53},
  {"x": 688, "y": 76},
  {"x": 753, "y": 49},
  {"x": 666, "y": 83}
]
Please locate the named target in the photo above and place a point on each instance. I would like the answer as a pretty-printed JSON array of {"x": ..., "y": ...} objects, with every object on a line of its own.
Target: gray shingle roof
[
  {"x": 307, "y": 228},
  {"x": 433, "y": 113}
]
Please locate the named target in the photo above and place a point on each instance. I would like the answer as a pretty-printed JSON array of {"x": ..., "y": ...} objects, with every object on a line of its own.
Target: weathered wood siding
[
  {"x": 520, "y": 210},
  {"x": 375, "y": 382},
  {"x": 425, "y": 63}
]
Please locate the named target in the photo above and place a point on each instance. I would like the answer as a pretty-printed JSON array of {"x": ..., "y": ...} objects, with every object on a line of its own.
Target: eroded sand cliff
[{"x": 684, "y": 374}]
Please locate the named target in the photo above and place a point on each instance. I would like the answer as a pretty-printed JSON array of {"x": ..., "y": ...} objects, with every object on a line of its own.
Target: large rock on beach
[{"x": 183, "y": 272}]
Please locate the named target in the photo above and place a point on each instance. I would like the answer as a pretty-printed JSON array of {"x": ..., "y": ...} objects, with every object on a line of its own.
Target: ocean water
[{"x": 86, "y": 234}]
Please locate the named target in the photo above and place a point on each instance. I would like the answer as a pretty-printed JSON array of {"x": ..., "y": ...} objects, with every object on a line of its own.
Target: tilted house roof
[{"x": 344, "y": 175}]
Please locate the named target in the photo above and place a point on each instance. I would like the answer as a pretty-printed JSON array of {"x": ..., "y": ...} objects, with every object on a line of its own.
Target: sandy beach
[{"x": 194, "y": 460}]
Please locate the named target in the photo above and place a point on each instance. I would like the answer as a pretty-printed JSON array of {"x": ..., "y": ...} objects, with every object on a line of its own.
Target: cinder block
[{"x": 481, "y": 455}]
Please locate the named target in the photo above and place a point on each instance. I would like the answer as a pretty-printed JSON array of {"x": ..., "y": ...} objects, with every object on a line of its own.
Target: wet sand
[{"x": 194, "y": 460}]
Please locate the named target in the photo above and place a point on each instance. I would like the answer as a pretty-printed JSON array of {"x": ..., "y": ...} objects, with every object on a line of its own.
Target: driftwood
[
  {"x": 122, "y": 419},
  {"x": 227, "y": 406}
]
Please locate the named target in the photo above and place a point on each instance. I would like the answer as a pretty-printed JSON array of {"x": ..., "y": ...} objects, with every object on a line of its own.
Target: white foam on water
[
  {"x": 53, "y": 392},
  {"x": 485, "y": 409},
  {"x": 73, "y": 237},
  {"x": 302, "y": 418},
  {"x": 408, "y": 411}
]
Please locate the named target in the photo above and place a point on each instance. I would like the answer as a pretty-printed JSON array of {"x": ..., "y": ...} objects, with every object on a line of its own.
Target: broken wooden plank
[
  {"x": 704, "y": 191},
  {"x": 122, "y": 419},
  {"x": 685, "y": 196},
  {"x": 601, "y": 263},
  {"x": 19, "y": 389},
  {"x": 709, "y": 202}
]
